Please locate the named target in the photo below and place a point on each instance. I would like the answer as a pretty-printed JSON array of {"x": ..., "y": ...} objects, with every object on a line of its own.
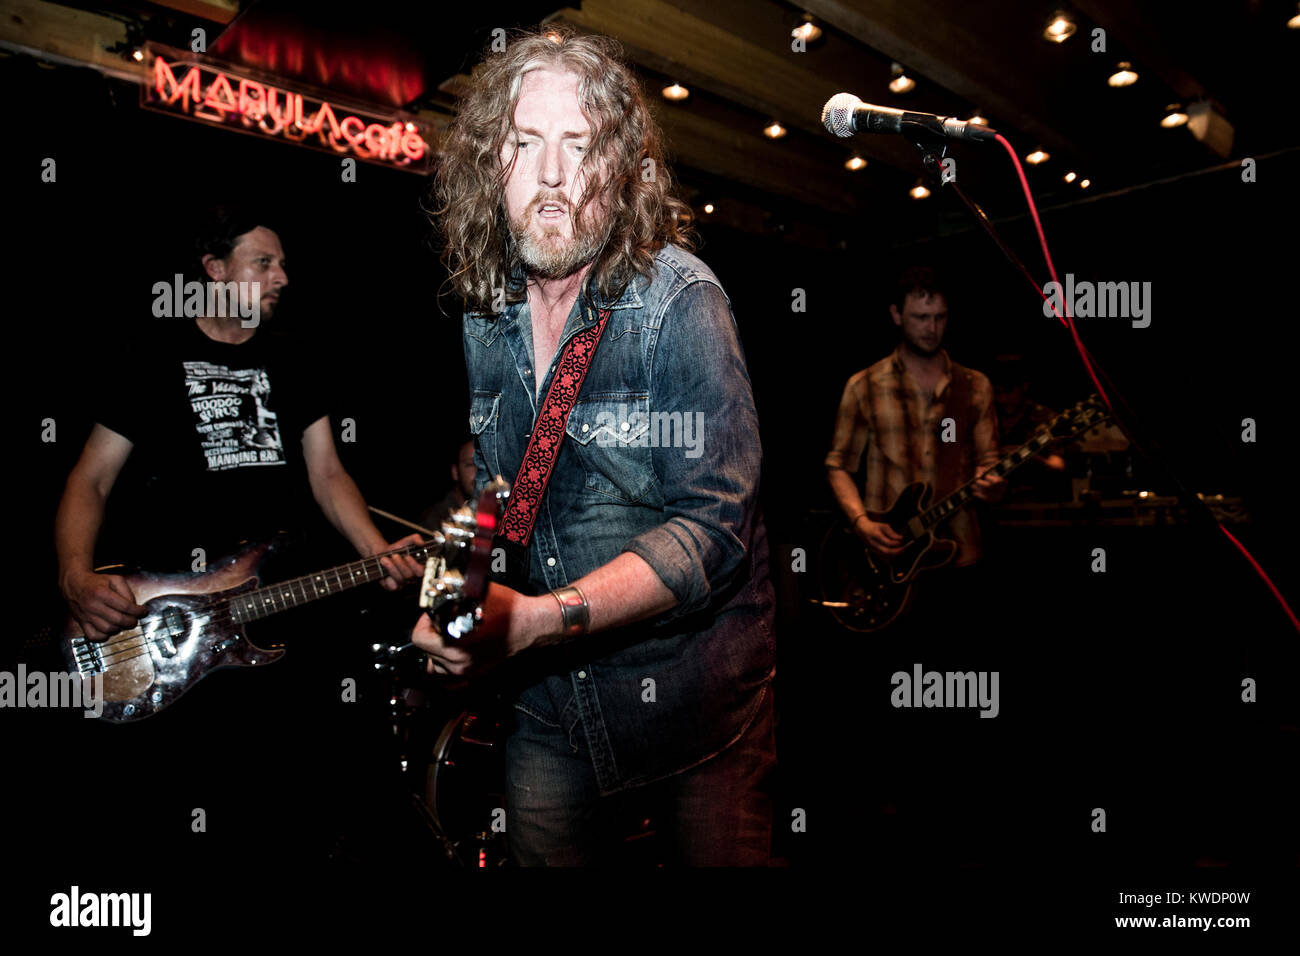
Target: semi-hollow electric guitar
[
  {"x": 866, "y": 590},
  {"x": 194, "y": 623}
]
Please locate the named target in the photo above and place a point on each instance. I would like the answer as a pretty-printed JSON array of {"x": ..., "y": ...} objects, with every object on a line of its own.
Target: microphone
[{"x": 844, "y": 114}]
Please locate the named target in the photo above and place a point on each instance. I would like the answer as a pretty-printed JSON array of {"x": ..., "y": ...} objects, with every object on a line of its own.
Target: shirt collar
[
  {"x": 897, "y": 358},
  {"x": 630, "y": 298}
]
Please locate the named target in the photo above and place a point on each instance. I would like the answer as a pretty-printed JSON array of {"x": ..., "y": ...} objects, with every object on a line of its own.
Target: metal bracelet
[{"x": 574, "y": 610}]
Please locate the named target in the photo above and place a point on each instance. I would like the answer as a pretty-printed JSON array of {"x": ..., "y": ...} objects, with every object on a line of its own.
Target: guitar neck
[
  {"x": 942, "y": 510},
  {"x": 274, "y": 598}
]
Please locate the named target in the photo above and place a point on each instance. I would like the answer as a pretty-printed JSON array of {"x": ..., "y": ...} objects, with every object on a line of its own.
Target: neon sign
[{"x": 186, "y": 84}]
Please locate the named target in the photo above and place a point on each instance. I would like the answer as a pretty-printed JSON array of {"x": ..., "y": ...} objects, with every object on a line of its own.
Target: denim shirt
[{"x": 661, "y": 458}]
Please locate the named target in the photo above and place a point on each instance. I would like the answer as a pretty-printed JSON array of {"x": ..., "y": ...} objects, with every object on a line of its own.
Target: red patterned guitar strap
[{"x": 548, "y": 435}]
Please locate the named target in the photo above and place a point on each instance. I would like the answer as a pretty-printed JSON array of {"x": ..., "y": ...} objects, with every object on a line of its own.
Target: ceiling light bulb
[
  {"x": 1123, "y": 75},
  {"x": 807, "y": 31},
  {"x": 901, "y": 82},
  {"x": 1060, "y": 29}
]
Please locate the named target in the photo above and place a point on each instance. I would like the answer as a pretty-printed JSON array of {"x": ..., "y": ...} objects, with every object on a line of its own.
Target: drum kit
[{"x": 450, "y": 753}]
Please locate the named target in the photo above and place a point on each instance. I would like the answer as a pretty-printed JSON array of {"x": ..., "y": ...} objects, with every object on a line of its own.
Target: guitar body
[
  {"x": 186, "y": 633},
  {"x": 866, "y": 591},
  {"x": 922, "y": 549},
  {"x": 875, "y": 589}
]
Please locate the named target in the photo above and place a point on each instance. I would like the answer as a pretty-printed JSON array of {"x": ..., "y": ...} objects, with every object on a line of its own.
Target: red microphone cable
[{"x": 1068, "y": 321}]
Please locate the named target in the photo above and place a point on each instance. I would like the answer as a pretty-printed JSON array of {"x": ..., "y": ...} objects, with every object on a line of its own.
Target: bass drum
[{"x": 465, "y": 788}]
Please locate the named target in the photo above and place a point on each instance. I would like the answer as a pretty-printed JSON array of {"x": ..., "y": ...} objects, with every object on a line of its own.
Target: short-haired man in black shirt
[{"x": 229, "y": 425}]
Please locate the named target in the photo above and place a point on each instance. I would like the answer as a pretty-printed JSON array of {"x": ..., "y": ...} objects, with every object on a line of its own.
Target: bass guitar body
[{"x": 187, "y": 632}]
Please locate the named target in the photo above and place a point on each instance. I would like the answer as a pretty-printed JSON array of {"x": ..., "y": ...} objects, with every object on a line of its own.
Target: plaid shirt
[{"x": 885, "y": 413}]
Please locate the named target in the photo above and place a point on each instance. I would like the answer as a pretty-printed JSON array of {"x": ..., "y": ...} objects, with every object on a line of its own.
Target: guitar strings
[{"x": 137, "y": 639}]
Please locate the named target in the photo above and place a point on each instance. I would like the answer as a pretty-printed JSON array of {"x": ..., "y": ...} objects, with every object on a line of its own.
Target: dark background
[{"x": 1119, "y": 691}]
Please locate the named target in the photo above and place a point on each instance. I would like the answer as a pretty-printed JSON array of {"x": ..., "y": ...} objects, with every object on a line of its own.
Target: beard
[{"x": 546, "y": 252}]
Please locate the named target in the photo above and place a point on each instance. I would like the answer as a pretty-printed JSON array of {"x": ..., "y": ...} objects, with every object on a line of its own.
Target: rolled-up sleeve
[
  {"x": 709, "y": 476},
  {"x": 986, "y": 423},
  {"x": 851, "y": 430}
]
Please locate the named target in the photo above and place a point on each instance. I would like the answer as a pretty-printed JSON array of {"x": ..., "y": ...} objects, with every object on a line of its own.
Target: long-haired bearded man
[{"x": 640, "y": 615}]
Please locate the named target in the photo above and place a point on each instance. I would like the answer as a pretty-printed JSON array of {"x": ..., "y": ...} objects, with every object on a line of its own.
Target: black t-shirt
[{"x": 217, "y": 443}]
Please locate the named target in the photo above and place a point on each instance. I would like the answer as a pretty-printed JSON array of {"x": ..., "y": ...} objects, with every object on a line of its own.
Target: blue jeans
[{"x": 717, "y": 813}]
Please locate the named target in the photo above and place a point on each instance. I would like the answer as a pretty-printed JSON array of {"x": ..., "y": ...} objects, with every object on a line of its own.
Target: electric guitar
[
  {"x": 194, "y": 623},
  {"x": 865, "y": 590}
]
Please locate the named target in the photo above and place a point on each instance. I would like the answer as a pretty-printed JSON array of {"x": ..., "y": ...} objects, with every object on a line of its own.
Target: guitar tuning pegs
[{"x": 440, "y": 587}]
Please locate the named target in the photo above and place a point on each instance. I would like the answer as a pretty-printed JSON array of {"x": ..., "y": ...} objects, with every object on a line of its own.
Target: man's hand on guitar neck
[
  {"x": 988, "y": 488},
  {"x": 401, "y": 568},
  {"x": 102, "y": 604}
]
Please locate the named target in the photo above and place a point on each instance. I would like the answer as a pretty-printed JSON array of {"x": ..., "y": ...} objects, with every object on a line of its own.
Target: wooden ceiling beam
[
  {"x": 1126, "y": 23},
  {"x": 943, "y": 42},
  {"x": 62, "y": 34},
  {"x": 218, "y": 11},
  {"x": 662, "y": 37},
  {"x": 747, "y": 158}
]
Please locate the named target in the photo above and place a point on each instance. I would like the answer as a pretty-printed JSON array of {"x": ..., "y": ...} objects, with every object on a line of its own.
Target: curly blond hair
[{"x": 469, "y": 212}]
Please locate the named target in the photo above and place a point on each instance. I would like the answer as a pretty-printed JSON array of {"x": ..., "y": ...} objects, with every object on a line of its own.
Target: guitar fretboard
[
  {"x": 1088, "y": 414},
  {"x": 273, "y": 598}
]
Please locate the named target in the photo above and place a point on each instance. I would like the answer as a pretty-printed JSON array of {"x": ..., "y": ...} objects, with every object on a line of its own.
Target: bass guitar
[{"x": 194, "y": 623}]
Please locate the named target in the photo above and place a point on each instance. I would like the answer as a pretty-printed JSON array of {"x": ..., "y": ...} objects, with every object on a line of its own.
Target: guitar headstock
[
  {"x": 1082, "y": 417},
  {"x": 456, "y": 577}
]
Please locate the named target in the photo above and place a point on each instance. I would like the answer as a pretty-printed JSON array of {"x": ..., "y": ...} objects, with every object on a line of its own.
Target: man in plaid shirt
[{"x": 897, "y": 412}]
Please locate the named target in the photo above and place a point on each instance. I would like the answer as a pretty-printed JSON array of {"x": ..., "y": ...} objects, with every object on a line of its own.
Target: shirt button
[
  {"x": 585, "y": 428},
  {"x": 582, "y": 675},
  {"x": 550, "y": 562},
  {"x": 626, "y": 426},
  {"x": 480, "y": 419}
]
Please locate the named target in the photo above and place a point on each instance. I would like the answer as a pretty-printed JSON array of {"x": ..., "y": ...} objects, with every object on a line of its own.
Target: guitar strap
[
  {"x": 543, "y": 449},
  {"x": 951, "y": 469}
]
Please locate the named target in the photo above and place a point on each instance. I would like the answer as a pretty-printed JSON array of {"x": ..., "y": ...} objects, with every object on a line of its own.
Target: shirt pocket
[
  {"x": 484, "y": 412},
  {"x": 611, "y": 433}
]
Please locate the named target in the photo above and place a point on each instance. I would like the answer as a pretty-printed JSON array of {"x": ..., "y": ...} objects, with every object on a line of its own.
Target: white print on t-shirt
[{"x": 236, "y": 428}]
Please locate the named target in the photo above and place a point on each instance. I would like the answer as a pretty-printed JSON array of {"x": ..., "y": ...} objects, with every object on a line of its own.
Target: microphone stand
[{"x": 932, "y": 149}]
